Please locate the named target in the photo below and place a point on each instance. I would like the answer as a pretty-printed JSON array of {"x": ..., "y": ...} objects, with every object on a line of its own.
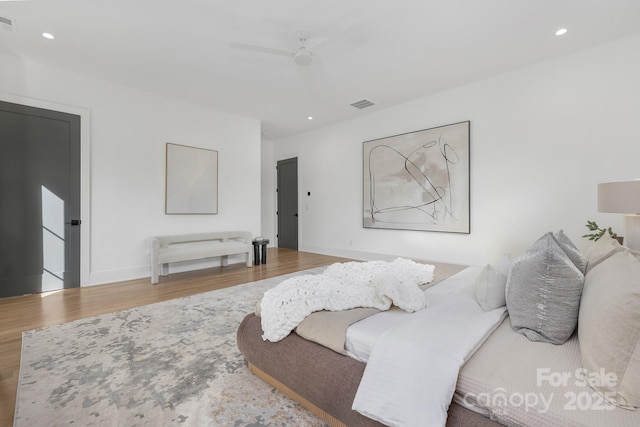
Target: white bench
[{"x": 187, "y": 247}]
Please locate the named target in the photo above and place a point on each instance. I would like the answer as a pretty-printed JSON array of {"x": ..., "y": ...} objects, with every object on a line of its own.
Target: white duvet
[
  {"x": 414, "y": 362},
  {"x": 342, "y": 286}
]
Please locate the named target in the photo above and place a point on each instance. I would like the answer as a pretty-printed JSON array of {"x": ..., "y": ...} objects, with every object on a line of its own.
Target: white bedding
[
  {"x": 522, "y": 383},
  {"x": 434, "y": 342}
]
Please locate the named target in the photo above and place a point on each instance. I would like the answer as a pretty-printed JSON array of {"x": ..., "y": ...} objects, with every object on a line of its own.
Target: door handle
[{"x": 74, "y": 222}]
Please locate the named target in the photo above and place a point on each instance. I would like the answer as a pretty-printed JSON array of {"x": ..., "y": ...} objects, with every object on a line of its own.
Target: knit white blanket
[{"x": 342, "y": 286}]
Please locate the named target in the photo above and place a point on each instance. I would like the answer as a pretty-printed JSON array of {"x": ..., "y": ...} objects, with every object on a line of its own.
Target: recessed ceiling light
[
  {"x": 561, "y": 32},
  {"x": 48, "y": 36},
  {"x": 309, "y": 118}
]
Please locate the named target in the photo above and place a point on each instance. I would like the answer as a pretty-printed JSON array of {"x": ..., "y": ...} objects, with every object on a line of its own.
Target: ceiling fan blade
[
  {"x": 263, "y": 49},
  {"x": 340, "y": 35}
]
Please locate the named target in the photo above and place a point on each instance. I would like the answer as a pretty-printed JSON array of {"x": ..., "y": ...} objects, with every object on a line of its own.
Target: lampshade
[{"x": 619, "y": 197}]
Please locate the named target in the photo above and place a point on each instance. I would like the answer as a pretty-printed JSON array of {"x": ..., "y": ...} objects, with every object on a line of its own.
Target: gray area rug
[{"x": 169, "y": 363}]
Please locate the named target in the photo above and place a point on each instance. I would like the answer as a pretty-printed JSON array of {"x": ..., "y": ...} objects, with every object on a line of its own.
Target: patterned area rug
[{"x": 170, "y": 363}]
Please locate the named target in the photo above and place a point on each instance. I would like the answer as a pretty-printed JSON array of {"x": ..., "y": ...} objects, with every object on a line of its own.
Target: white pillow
[
  {"x": 609, "y": 328},
  {"x": 602, "y": 249},
  {"x": 491, "y": 283}
]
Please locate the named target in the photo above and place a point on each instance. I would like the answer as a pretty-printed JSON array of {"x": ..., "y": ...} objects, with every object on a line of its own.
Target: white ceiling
[{"x": 406, "y": 48}]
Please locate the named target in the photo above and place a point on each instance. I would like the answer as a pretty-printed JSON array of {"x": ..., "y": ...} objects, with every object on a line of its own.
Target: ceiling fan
[{"x": 303, "y": 55}]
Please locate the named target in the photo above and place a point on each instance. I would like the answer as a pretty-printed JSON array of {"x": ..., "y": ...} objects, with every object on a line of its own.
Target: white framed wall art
[{"x": 191, "y": 180}]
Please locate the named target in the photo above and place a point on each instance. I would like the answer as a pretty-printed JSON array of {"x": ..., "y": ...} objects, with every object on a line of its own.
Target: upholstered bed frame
[
  {"x": 320, "y": 379},
  {"x": 509, "y": 361}
]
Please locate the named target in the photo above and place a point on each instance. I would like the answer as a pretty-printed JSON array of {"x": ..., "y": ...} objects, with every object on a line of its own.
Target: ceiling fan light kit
[{"x": 303, "y": 56}]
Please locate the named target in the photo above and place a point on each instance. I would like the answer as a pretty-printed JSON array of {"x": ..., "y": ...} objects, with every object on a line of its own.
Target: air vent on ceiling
[
  {"x": 6, "y": 23},
  {"x": 364, "y": 103}
]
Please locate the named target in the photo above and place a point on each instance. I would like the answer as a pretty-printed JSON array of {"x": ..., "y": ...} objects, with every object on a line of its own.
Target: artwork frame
[
  {"x": 419, "y": 180},
  {"x": 191, "y": 180}
]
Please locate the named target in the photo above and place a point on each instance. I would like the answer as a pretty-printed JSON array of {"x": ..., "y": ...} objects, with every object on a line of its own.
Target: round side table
[{"x": 260, "y": 245}]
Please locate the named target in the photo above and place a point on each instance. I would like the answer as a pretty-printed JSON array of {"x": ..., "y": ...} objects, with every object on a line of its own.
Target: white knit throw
[{"x": 342, "y": 286}]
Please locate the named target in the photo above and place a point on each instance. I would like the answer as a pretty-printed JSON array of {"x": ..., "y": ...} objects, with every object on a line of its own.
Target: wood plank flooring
[{"x": 36, "y": 311}]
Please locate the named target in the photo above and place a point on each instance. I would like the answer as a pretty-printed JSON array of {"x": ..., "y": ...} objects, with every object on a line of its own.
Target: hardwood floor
[{"x": 36, "y": 311}]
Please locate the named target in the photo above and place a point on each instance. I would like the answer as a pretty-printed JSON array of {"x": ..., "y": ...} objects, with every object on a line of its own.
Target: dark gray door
[
  {"x": 288, "y": 203},
  {"x": 39, "y": 200}
]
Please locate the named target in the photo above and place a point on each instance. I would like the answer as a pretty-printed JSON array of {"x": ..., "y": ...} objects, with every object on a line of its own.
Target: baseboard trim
[
  {"x": 348, "y": 253},
  {"x": 120, "y": 275},
  {"x": 144, "y": 271}
]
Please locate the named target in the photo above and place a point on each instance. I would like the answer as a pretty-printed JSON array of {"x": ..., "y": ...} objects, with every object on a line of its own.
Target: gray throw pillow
[
  {"x": 579, "y": 260},
  {"x": 543, "y": 292}
]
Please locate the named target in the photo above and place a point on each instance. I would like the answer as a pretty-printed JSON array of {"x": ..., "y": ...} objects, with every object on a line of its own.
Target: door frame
[{"x": 85, "y": 172}]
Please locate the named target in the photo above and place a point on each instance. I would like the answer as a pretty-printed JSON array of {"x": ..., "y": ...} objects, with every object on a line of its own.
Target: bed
[
  {"x": 318, "y": 378},
  {"x": 508, "y": 380}
]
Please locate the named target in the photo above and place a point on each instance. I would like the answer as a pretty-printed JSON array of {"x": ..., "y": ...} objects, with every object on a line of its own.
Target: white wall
[
  {"x": 129, "y": 130},
  {"x": 542, "y": 137}
]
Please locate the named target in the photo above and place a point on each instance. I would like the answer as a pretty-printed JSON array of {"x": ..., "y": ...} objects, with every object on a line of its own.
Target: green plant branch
[{"x": 597, "y": 231}]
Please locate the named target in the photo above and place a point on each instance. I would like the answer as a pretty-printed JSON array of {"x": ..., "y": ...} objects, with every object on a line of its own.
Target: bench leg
[
  {"x": 225, "y": 260},
  {"x": 154, "y": 274},
  {"x": 164, "y": 270}
]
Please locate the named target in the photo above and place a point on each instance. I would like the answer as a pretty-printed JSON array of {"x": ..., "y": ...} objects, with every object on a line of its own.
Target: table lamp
[{"x": 623, "y": 197}]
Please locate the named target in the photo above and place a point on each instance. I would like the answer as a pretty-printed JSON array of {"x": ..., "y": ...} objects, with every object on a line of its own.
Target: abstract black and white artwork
[{"x": 418, "y": 180}]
